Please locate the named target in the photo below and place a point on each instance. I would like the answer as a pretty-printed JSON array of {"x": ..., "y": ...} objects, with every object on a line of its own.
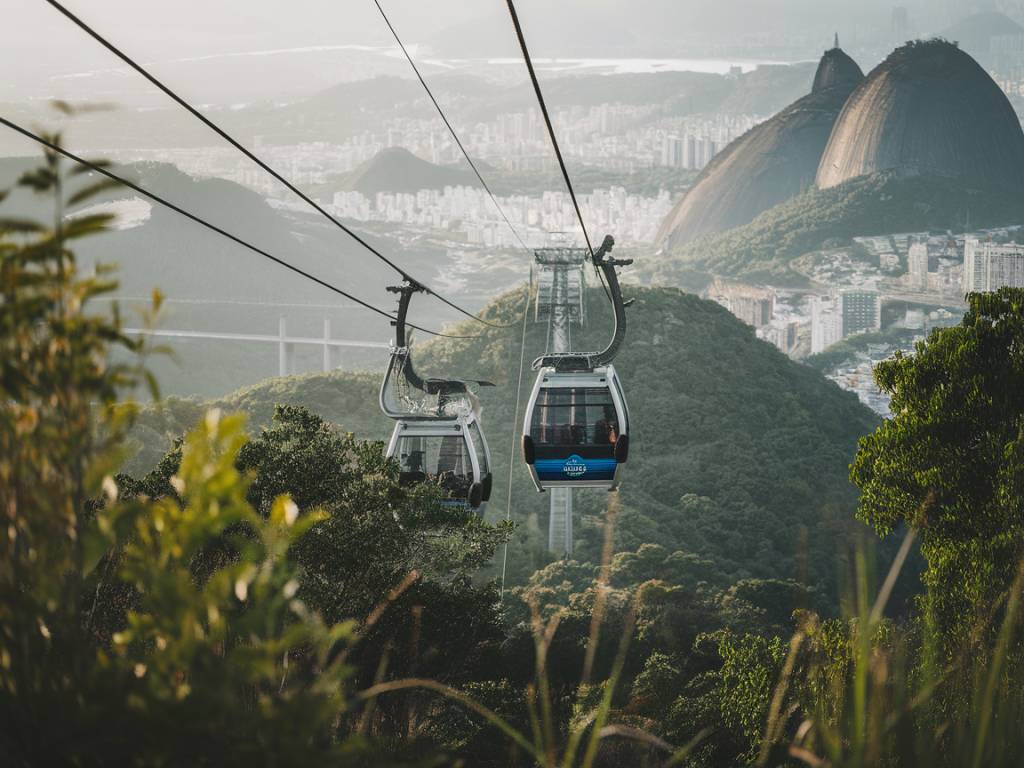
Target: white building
[
  {"x": 754, "y": 305},
  {"x": 917, "y": 267},
  {"x": 785, "y": 334},
  {"x": 988, "y": 267},
  {"x": 914, "y": 319},
  {"x": 826, "y": 322}
]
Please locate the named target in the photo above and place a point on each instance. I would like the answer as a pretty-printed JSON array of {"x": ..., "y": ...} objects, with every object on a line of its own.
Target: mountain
[
  {"x": 398, "y": 170},
  {"x": 975, "y": 33},
  {"x": 836, "y": 68},
  {"x": 928, "y": 109},
  {"x": 769, "y": 164},
  {"x": 162, "y": 248},
  {"x": 739, "y": 454},
  {"x": 764, "y": 249},
  {"x": 340, "y": 112},
  {"x": 926, "y": 141}
]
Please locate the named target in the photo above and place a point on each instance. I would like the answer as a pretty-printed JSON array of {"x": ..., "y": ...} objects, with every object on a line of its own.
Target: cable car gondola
[
  {"x": 576, "y": 430},
  {"x": 452, "y": 454},
  {"x": 437, "y": 437}
]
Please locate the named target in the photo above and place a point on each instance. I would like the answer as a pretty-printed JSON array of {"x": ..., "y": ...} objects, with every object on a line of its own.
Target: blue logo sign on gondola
[{"x": 574, "y": 467}]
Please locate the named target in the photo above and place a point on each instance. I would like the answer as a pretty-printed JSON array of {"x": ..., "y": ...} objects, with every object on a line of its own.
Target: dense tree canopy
[{"x": 950, "y": 462}]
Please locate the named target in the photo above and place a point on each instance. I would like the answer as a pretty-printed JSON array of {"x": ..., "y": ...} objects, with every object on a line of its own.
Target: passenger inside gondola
[
  {"x": 606, "y": 429},
  {"x": 441, "y": 460},
  {"x": 575, "y": 417},
  {"x": 411, "y": 468}
]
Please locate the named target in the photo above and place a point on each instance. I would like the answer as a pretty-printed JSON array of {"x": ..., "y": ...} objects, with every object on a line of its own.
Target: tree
[
  {"x": 59, "y": 428},
  {"x": 950, "y": 462},
  {"x": 207, "y": 660},
  {"x": 377, "y": 537}
]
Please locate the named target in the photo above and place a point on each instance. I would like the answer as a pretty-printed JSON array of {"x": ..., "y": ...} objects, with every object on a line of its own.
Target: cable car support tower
[
  {"x": 561, "y": 291},
  {"x": 561, "y": 303}
]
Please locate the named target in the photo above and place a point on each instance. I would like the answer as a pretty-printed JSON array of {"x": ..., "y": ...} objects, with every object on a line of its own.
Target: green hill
[
  {"x": 869, "y": 205},
  {"x": 398, "y": 170},
  {"x": 739, "y": 455},
  {"x": 178, "y": 256}
]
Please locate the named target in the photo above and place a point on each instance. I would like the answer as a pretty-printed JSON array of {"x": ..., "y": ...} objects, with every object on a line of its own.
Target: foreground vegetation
[{"x": 277, "y": 597}]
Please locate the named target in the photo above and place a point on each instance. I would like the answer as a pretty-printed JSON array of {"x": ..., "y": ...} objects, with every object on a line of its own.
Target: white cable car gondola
[
  {"x": 452, "y": 454},
  {"x": 437, "y": 437},
  {"x": 576, "y": 430}
]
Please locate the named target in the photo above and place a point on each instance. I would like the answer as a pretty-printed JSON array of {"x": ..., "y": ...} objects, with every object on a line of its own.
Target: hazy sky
[{"x": 39, "y": 48}]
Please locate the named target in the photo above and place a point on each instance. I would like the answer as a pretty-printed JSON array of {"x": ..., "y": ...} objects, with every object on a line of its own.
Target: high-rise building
[
  {"x": 917, "y": 267},
  {"x": 826, "y": 323},
  {"x": 672, "y": 155},
  {"x": 988, "y": 267},
  {"x": 860, "y": 311},
  {"x": 690, "y": 153},
  {"x": 752, "y": 304}
]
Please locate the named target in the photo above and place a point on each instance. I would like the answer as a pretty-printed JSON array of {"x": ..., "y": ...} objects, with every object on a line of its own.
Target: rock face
[
  {"x": 836, "y": 68},
  {"x": 928, "y": 109},
  {"x": 771, "y": 163}
]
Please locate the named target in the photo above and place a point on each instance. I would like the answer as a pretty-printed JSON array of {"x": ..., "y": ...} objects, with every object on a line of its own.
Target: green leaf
[
  {"x": 40, "y": 179},
  {"x": 81, "y": 226},
  {"x": 21, "y": 225},
  {"x": 92, "y": 190}
]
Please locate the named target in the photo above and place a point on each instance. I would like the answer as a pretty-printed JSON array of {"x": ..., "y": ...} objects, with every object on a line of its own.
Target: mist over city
[{"x": 577, "y": 383}]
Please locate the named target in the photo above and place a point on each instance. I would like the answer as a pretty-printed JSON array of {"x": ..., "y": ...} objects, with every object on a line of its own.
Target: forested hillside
[
  {"x": 740, "y": 455},
  {"x": 867, "y": 205}
]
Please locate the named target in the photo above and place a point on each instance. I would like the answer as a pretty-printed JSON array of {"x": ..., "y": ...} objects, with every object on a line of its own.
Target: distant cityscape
[
  {"x": 470, "y": 213},
  {"x": 612, "y": 137},
  {"x": 922, "y": 276}
]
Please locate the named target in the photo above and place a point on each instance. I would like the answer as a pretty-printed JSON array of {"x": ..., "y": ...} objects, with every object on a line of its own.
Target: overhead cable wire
[
  {"x": 212, "y": 227},
  {"x": 547, "y": 120},
  {"x": 263, "y": 165},
  {"x": 515, "y": 426},
  {"x": 451, "y": 130}
]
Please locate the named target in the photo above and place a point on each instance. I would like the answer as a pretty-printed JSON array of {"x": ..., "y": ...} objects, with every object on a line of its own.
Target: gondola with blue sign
[
  {"x": 437, "y": 437},
  {"x": 576, "y": 430}
]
